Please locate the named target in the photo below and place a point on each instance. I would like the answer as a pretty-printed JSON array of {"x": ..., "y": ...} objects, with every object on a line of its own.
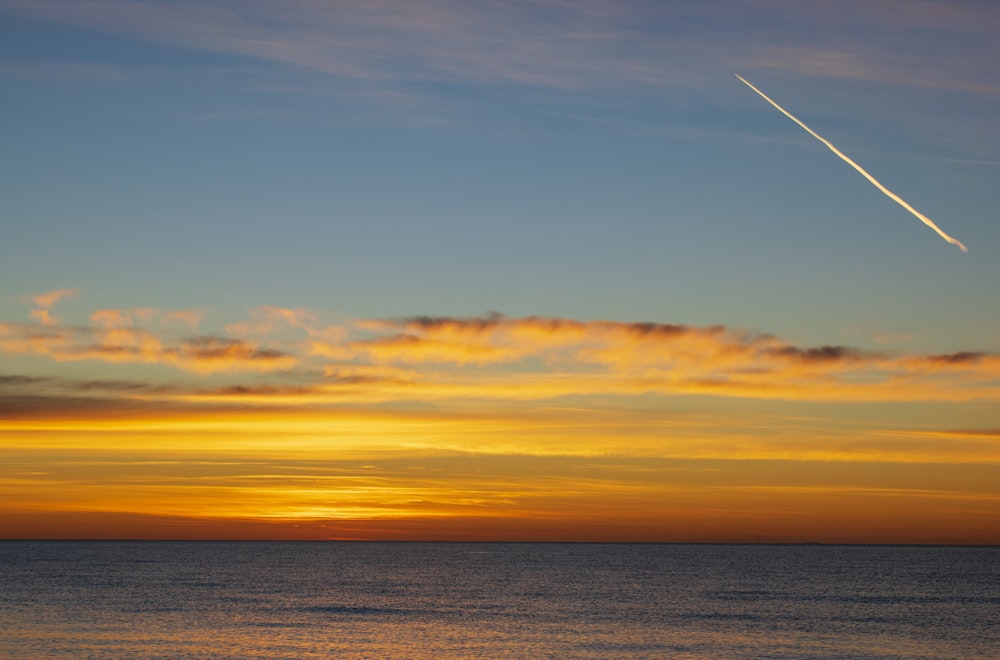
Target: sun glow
[
  {"x": 376, "y": 470},
  {"x": 482, "y": 428}
]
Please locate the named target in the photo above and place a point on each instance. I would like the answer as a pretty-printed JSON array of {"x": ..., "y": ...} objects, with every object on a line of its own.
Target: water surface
[{"x": 479, "y": 600}]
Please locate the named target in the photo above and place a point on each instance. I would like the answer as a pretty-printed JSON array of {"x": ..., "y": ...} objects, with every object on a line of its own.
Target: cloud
[
  {"x": 49, "y": 407},
  {"x": 133, "y": 316},
  {"x": 570, "y": 45},
  {"x": 190, "y": 318},
  {"x": 533, "y": 44},
  {"x": 19, "y": 381},
  {"x": 118, "y": 318},
  {"x": 46, "y": 398},
  {"x": 392, "y": 46},
  {"x": 407, "y": 348},
  {"x": 44, "y": 302},
  {"x": 43, "y": 316},
  {"x": 269, "y": 319},
  {"x": 819, "y": 355},
  {"x": 614, "y": 357},
  {"x": 439, "y": 359},
  {"x": 964, "y": 357},
  {"x": 448, "y": 62},
  {"x": 48, "y": 299},
  {"x": 115, "y": 343},
  {"x": 210, "y": 354}
]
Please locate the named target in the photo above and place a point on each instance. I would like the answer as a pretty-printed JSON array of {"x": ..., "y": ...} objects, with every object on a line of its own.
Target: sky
[{"x": 534, "y": 270}]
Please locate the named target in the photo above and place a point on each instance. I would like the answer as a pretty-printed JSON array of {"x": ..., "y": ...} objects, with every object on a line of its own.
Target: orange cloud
[
  {"x": 43, "y": 316},
  {"x": 605, "y": 357},
  {"x": 111, "y": 318},
  {"x": 414, "y": 349},
  {"x": 43, "y": 302},
  {"x": 188, "y": 317},
  {"x": 204, "y": 354},
  {"x": 268, "y": 320},
  {"x": 533, "y": 358},
  {"x": 117, "y": 318},
  {"x": 210, "y": 354},
  {"x": 50, "y": 298}
]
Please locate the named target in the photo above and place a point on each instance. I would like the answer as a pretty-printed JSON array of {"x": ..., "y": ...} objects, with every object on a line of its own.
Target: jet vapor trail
[{"x": 891, "y": 195}]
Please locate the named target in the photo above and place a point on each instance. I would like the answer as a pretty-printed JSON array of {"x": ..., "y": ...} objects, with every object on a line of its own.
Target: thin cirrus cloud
[
  {"x": 373, "y": 42},
  {"x": 496, "y": 357},
  {"x": 552, "y": 45}
]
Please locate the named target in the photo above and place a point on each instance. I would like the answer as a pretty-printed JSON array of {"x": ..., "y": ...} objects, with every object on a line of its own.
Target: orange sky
[
  {"x": 250, "y": 249},
  {"x": 491, "y": 428}
]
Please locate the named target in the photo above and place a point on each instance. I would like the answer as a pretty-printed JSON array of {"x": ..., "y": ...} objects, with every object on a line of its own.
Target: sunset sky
[{"x": 499, "y": 270}]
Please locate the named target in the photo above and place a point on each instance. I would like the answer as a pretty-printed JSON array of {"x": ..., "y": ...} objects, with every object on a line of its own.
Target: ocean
[{"x": 68, "y": 599}]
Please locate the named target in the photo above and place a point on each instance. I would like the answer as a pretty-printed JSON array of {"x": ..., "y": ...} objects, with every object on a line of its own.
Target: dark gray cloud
[
  {"x": 962, "y": 357},
  {"x": 821, "y": 354},
  {"x": 15, "y": 380},
  {"x": 209, "y": 348}
]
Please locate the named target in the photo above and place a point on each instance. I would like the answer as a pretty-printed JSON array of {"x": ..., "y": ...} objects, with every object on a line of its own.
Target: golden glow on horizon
[
  {"x": 524, "y": 433},
  {"x": 391, "y": 468},
  {"x": 491, "y": 428}
]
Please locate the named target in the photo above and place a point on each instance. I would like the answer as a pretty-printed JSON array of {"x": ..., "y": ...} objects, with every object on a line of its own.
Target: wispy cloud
[
  {"x": 48, "y": 299},
  {"x": 44, "y": 302},
  {"x": 269, "y": 319},
  {"x": 369, "y": 41},
  {"x": 495, "y": 357},
  {"x": 200, "y": 354},
  {"x": 449, "y": 62},
  {"x": 533, "y": 425},
  {"x": 558, "y": 45},
  {"x": 133, "y": 316}
]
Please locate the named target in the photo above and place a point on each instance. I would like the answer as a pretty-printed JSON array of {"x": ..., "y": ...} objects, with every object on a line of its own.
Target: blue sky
[{"x": 592, "y": 160}]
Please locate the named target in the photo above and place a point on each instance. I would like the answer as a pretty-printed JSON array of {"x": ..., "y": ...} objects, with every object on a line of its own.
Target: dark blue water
[{"x": 456, "y": 600}]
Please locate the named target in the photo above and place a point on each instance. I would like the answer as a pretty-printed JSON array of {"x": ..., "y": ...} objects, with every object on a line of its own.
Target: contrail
[{"x": 891, "y": 195}]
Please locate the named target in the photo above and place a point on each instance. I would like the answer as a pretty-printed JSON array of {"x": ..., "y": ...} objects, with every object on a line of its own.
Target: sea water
[{"x": 505, "y": 600}]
